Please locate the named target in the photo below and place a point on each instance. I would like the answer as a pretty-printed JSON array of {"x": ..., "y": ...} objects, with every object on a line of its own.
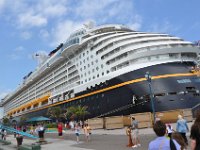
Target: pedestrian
[
  {"x": 31, "y": 129},
  {"x": 3, "y": 134},
  {"x": 77, "y": 130},
  {"x": 179, "y": 139},
  {"x": 195, "y": 134},
  {"x": 87, "y": 132},
  {"x": 169, "y": 130},
  {"x": 128, "y": 133},
  {"x": 162, "y": 142},
  {"x": 71, "y": 124},
  {"x": 60, "y": 129},
  {"x": 182, "y": 127},
  {"x": 135, "y": 133},
  {"x": 15, "y": 127}
]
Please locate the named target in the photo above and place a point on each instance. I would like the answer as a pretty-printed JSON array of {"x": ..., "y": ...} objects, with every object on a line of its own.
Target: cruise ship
[{"x": 104, "y": 67}]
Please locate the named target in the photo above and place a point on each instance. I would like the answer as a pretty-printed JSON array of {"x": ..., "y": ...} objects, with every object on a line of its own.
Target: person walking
[
  {"x": 77, "y": 130},
  {"x": 128, "y": 133},
  {"x": 60, "y": 129},
  {"x": 179, "y": 139},
  {"x": 195, "y": 134},
  {"x": 162, "y": 142},
  {"x": 87, "y": 132},
  {"x": 3, "y": 134},
  {"x": 135, "y": 133},
  {"x": 182, "y": 127},
  {"x": 169, "y": 130}
]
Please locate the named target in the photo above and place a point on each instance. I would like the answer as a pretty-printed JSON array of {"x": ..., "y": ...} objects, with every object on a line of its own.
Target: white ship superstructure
[{"x": 95, "y": 61}]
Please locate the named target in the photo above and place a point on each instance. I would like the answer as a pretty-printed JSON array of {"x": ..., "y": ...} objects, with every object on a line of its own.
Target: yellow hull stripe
[{"x": 100, "y": 91}]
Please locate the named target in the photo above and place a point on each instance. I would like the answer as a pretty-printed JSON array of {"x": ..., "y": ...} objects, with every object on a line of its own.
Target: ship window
[
  {"x": 171, "y": 100},
  {"x": 101, "y": 65},
  {"x": 196, "y": 80},
  {"x": 84, "y": 67},
  {"x": 88, "y": 65},
  {"x": 92, "y": 63},
  {"x": 83, "y": 54},
  {"x": 85, "y": 80},
  {"x": 80, "y": 62},
  {"x": 92, "y": 70},
  {"x": 159, "y": 94},
  {"x": 184, "y": 81},
  {"x": 97, "y": 75},
  {"x": 87, "y": 58},
  {"x": 97, "y": 68},
  {"x": 91, "y": 56},
  {"x": 102, "y": 73},
  {"x": 107, "y": 71},
  {"x": 93, "y": 77},
  {"x": 172, "y": 93}
]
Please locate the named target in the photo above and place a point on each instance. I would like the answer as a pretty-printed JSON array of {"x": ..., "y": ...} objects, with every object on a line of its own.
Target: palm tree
[
  {"x": 55, "y": 112},
  {"x": 22, "y": 121},
  {"x": 6, "y": 121},
  {"x": 77, "y": 112}
]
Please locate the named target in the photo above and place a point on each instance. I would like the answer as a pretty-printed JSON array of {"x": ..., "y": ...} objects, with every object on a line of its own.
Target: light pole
[{"x": 148, "y": 77}]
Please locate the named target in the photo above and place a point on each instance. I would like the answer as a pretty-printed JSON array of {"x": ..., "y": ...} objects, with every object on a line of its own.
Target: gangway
[{"x": 17, "y": 131}]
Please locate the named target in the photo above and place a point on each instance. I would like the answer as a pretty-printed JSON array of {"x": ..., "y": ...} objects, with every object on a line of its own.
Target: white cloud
[
  {"x": 17, "y": 53},
  {"x": 63, "y": 30},
  {"x": 165, "y": 27},
  {"x": 52, "y": 9},
  {"x": 88, "y": 8},
  {"x": 2, "y": 3},
  {"x": 3, "y": 93},
  {"x": 30, "y": 20},
  {"x": 26, "y": 35},
  {"x": 44, "y": 34}
]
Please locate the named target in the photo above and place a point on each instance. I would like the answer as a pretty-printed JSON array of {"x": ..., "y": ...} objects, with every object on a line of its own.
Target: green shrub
[{"x": 51, "y": 125}]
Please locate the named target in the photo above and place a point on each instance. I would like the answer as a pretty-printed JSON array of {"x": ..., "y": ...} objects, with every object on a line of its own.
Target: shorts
[
  {"x": 60, "y": 134},
  {"x": 135, "y": 133},
  {"x": 77, "y": 134}
]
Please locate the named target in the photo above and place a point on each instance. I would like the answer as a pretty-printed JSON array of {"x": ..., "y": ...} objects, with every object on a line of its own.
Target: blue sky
[{"x": 30, "y": 26}]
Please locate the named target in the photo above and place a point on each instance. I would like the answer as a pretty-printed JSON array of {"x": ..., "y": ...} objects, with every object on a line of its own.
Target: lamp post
[{"x": 148, "y": 77}]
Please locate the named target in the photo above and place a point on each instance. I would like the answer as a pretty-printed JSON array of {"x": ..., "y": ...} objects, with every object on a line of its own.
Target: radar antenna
[
  {"x": 89, "y": 25},
  {"x": 40, "y": 57}
]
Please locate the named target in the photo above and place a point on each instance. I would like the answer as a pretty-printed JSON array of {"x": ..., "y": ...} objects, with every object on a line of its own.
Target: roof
[{"x": 37, "y": 119}]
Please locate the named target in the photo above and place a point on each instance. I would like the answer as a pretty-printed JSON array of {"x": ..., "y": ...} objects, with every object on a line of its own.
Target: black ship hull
[{"x": 173, "y": 87}]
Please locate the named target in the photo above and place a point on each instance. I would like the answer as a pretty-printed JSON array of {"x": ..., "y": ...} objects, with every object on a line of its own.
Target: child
[
  {"x": 87, "y": 132},
  {"x": 77, "y": 130},
  {"x": 169, "y": 130},
  {"x": 128, "y": 133}
]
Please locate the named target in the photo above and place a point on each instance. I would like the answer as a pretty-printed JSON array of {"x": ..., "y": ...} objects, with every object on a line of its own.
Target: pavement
[{"x": 100, "y": 140}]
